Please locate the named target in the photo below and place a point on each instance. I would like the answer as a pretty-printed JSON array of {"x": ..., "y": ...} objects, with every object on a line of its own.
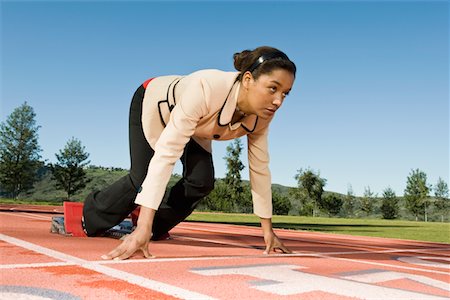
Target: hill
[{"x": 100, "y": 177}]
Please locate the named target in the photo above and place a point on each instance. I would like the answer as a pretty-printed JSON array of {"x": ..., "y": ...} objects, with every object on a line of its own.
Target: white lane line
[
  {"x": 240, "y": 245},
  {"x": 36, "y": 265},
  {"x": 121, "y": 275},
  {"x": 284, "y": 239},
  {"x": 27, "y": 215},
  {"x": 386, "y": 265}
]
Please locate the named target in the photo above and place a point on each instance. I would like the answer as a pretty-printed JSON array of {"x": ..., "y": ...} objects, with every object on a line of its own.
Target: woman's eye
[{"x": 273, "y": 89}]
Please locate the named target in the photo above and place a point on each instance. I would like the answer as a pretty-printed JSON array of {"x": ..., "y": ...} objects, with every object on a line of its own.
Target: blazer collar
[{"x": 229, "y": 107}]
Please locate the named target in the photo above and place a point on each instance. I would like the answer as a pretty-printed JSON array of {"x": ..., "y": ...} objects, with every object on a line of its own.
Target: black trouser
[{"x": 107, "y": 208}]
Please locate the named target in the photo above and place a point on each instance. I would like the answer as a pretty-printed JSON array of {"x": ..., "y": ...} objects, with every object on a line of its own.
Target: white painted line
[
  {"x": 385, "y": 265},
  {"x": 427, "y": 261},
  {"x": 240, "y": 245},
  {"x": 27, "y": 215},
  {"x": 121, "y": 275},
  {"x": 290, "y": 280},
  {"x": 284, "y": 239},
  {"x": 36, "y": 265}
]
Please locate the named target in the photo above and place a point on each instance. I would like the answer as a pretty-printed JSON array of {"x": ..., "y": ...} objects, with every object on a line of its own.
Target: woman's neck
[{"x": 242, "y": 103}]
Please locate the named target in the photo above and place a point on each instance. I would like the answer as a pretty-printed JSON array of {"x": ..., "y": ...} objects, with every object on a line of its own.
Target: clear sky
[{"x": 370, "y": 102}]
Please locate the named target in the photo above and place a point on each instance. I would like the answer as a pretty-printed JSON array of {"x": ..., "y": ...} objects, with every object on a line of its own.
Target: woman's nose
[{"x": 277, "y": 101}]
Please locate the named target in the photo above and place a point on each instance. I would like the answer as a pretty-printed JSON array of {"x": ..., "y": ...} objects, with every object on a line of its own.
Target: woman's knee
[{"x": 199, "y": 189}]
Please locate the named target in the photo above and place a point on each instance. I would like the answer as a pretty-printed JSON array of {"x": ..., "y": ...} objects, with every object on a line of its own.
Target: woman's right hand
[{"x": 137, "y": 240}]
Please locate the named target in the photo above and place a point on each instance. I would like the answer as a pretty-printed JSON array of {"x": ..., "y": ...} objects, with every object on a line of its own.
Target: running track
[{"x": 212, "y": 261}]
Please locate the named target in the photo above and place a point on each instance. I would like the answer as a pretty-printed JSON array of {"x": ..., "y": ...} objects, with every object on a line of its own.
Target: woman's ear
[{"x": 247, "y": 78}]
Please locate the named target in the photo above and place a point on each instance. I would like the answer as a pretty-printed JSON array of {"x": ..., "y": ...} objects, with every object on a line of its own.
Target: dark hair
[{"x": 262, "y": 60}]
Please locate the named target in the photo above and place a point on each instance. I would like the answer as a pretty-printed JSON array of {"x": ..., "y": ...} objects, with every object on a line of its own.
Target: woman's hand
[
  {"x": 137, "y": 240},
  {"x": 272, "y": 241}
]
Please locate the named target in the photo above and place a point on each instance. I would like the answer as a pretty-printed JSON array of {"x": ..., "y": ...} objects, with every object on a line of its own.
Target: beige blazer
[{"x": 200, "y": 106}]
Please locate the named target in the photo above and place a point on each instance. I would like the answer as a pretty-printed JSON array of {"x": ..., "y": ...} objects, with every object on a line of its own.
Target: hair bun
[{"x": 241, "y": 59}]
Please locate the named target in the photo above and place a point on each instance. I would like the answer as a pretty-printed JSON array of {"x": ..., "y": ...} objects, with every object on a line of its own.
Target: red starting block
[{"x": 73, "y": 211}]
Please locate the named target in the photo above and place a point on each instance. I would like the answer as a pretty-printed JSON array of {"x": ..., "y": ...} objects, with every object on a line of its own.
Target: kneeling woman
[{"x": 177, "y": 117}]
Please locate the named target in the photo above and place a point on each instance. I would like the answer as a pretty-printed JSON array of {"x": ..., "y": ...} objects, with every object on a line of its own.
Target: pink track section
[{"x": 215, "y": 261}]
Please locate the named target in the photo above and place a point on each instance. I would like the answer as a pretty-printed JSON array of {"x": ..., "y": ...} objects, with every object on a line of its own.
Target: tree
[
  {"x": 312, "y": 185},
  {"x": 416, "y": 192},
  {"x": 233, "y": 176},
  {"x": 300, "y": 200},
  {"x": 218, "y": 199},
  {"x": 349, "y": 203},
  {"x": 69, "y": 171},
  {"x": 281, "y": 203},
  {"x": 332, "y": 203},
  {"x": 442, "y": 202},
  {"x": 389, "y": 206},
  {"x": 19, "y": 151},
  {"x": 367, "y": 202}
]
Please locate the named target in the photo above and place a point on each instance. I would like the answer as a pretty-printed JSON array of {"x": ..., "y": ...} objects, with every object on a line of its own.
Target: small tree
[
  {"x": 389, "y": 206},
  {"x": 442, "y": 202},
  {"x": 281, "y": 203},
  {"x": 19, "y": 151},
  {"x": 218, "y": 199},
  {"x": 349, "y": 203},
  {"x": 416, "y": 192},
  {"x": 332, "y": 203},
  {"x": 301, "y": 201},
  {"x": 367, "y": 202},
  {"x": 233, "y": 176},
  {"x": 312, "y": 185},
  {"x": 69, "y": 171}
]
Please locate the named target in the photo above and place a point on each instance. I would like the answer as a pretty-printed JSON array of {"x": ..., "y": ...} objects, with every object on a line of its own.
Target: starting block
[{"x": 70, "y": 224}]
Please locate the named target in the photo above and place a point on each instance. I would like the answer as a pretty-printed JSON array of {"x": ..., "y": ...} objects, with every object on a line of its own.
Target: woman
[{"x": 177, "y": 117}]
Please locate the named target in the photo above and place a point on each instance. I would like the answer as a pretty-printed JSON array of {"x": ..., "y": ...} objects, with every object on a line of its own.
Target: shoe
[
  {"x": 58, "y": 226},
  {"x": 120, "y": 231}
]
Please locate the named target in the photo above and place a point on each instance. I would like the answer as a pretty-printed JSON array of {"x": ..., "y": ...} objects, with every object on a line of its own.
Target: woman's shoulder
[{"x": 214, "y": 77}]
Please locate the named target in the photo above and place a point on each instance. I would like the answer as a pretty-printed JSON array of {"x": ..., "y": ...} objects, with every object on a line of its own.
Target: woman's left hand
[{"x": 273, "y": 243}]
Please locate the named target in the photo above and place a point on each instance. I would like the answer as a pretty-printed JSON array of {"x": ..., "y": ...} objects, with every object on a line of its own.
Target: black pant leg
[
  {"x": 196, "y": 183},
  {"x": 107, "y": 208}
]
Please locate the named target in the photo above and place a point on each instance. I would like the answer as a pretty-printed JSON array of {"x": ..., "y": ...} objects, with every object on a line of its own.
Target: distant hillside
[
  {"x": 100, "y": 177},
  {"x": 44, "y": 189}
]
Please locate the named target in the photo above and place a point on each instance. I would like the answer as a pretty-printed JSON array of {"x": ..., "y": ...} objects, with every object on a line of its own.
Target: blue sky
[{"x": 370, "y": 102}]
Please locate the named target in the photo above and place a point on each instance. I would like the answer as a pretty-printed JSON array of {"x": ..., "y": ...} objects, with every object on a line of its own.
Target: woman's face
[{"x": 266, "y": 94}]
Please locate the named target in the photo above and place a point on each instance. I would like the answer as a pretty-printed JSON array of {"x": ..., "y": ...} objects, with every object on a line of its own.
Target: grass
[
  {"x": 30, "y": 202},
  {"x": 420, "y": 231}
]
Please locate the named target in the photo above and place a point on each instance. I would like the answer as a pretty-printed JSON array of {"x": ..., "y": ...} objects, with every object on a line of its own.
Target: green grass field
[{"x": 421, "y": 231}]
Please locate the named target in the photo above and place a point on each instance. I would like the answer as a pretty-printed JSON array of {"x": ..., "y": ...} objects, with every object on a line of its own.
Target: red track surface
[{"x": 211, "y": 261}]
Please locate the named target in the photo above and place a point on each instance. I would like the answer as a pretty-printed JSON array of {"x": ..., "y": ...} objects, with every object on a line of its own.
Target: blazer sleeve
[
  {"x": 260, "y": 177},
  {"x": 170, "y": 145}
]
